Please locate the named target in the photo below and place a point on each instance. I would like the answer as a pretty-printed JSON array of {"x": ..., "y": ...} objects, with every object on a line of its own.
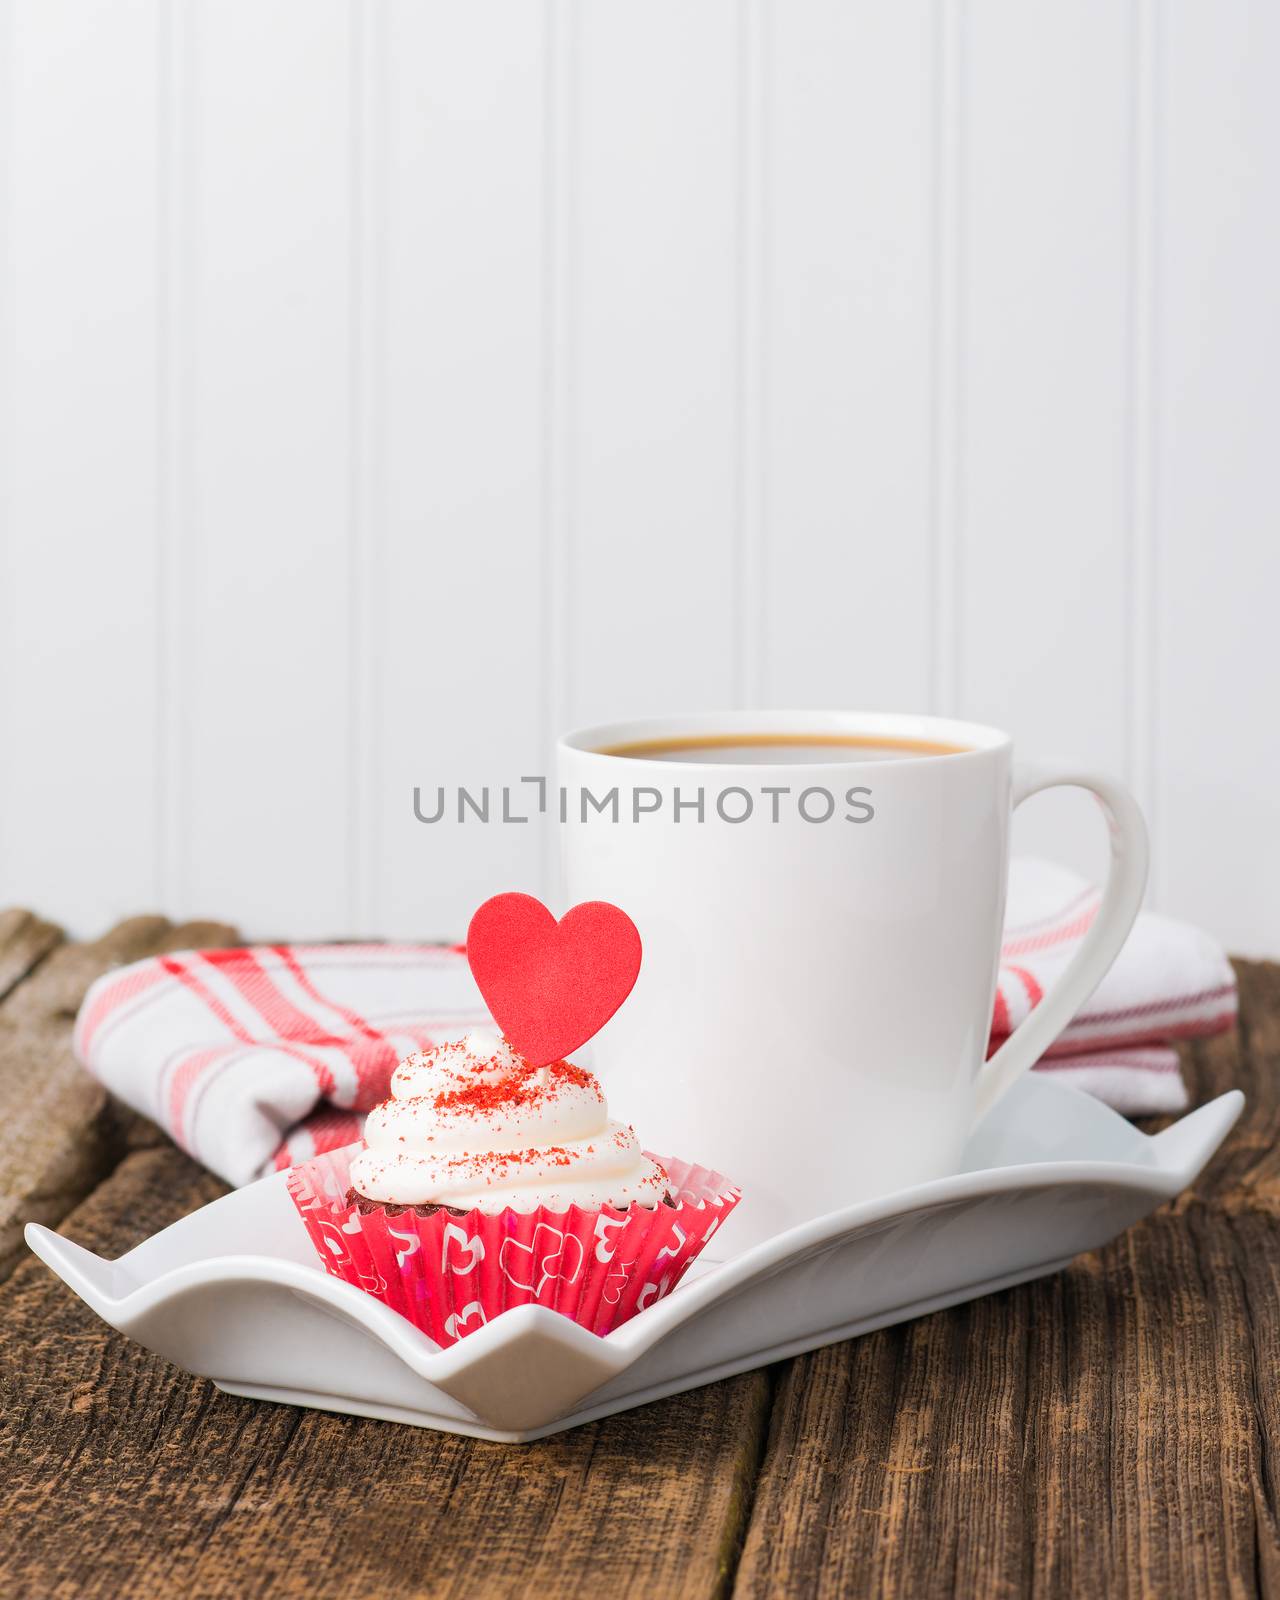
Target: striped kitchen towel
[
  {"x": 1171, "y": 981},
  {"x": 256, "y": 1058}
]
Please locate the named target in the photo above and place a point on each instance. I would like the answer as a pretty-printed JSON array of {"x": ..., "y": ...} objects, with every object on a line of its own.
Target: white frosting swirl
[{"x": 473, "y": 1125}]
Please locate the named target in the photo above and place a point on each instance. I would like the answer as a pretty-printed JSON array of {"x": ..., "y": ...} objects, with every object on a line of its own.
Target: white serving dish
[{"x": 234, "y": 1293}]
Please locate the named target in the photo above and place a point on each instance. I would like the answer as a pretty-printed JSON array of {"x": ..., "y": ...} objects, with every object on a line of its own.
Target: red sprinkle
[
  {"x": 498, "y": 1163},
  {"x": 521, "y": 1088}
]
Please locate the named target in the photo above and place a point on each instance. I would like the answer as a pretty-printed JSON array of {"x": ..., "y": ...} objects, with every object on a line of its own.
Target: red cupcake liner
[{"x": 450, "y": 1275}]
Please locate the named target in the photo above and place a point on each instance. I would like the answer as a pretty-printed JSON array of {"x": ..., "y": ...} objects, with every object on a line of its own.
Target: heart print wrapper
[{"x": 450, "y": 1275}]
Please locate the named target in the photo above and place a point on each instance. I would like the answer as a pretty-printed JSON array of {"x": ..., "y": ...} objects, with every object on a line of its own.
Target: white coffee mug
[{"x": 821, "y": 939}]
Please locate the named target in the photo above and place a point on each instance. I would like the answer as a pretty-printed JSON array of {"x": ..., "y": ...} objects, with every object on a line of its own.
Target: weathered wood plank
[
  {"x": 1109, "y": 1431},
  {"x": 25, "y": 940},
  {"x": 58, "y": 1132},
  {"x": 163, "y": 1486},
  {"x": 1247, "y": 1172},
  {"x": 1101, "y": 1433}
]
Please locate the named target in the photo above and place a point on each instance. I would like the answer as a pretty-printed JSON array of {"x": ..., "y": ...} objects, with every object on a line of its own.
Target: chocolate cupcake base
[{"x": 366, "y": 1207}]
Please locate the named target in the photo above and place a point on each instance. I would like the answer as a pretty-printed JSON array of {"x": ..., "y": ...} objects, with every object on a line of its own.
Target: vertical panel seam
[
  {"x": 369, "y": 88},
  {"x": 946, "y": 571},
  {"x": 751, "y": 656},
  {"x": 560, "y": 135},
  {"x": 1142, "y": 739},
  {"x": 176, "y": 179},
  {"x": 7, "y": 400}
]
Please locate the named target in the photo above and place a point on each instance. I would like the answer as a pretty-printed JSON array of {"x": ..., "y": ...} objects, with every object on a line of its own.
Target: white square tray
[{"x": 234, "y": 1293}]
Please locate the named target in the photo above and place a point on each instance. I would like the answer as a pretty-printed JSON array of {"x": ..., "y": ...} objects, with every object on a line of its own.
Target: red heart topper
[{"x": 551, "y": 985}]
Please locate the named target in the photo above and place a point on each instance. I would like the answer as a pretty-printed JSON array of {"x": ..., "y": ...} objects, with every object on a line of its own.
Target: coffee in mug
[{"x": 774, "y": 749}]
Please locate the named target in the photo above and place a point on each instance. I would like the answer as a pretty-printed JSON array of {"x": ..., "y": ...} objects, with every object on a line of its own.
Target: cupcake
[{"x": 486, "y": 1182}]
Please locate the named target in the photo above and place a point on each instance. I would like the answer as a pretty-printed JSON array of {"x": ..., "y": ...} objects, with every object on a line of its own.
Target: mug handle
[{"x": 1121, "y": 899}]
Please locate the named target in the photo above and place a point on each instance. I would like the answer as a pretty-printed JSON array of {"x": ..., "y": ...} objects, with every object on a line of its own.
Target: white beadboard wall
[{"x": 389, "y": 383}]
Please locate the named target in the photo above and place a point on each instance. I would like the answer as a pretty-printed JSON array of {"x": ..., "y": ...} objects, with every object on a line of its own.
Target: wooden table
[{"x": 1112, "y": 1430}]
